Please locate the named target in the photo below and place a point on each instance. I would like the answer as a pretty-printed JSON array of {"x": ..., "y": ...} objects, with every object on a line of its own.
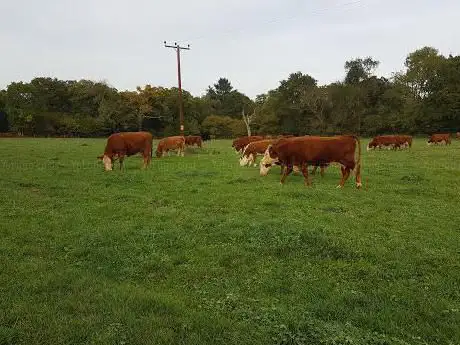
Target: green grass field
[{"x": 198, "y": 250}]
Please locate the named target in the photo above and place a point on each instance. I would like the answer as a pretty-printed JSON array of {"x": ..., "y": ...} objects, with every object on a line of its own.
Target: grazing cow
[
  {"x": 252, "y": 149},
  {"x": 191, "y": 140},
  {"x": 124, "y": 144},
  {"x": 458, "y": 135},
  {"x": 312, "y": 150},
  {"x": 171, "y": 143},
  {"x": 390, "y": 142},
  {"x": 440, "y": 138},
  {"x": 240, "y": 143}
]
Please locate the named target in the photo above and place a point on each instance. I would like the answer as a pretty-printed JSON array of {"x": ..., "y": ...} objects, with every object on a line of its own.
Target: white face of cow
[
  {"x": 244, "y": 161},
  {"x": 368, "y": 148},
  {"x": 266, "y": 163},
  {"x": 107, "y": 163}
]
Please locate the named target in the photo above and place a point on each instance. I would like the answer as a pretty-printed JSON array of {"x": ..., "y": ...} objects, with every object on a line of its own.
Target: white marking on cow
[
  {"x": 107, "y": 163},
  {"x": 339, "y": 186},
  {"x": 266, "y": 163},
  {"x": 243, "y": 161},
  {"x": 359, "y": 185}
]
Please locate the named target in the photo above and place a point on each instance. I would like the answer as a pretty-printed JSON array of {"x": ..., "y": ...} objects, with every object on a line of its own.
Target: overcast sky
[{"x": 253, "y": 43}]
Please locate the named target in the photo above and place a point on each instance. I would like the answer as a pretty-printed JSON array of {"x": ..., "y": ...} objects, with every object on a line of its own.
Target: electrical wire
[{"x": 275, "y": 20}]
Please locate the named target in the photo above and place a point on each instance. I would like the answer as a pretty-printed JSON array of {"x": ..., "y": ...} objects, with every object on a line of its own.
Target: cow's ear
[{"x": 270, "y": 149}]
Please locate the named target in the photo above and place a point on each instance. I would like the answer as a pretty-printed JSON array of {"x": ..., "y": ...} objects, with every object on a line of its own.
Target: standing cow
[
  {"x": 240, "y": 143},
  {"x": 120, "y": 145},
  {"x": 191, "y": 140},
  {"x": 252, "y": 149},
  {"x": 390, "y": 142},
  {"x": 171, "y": 143},
  {"x": 440, "y": 138},
  {"x": 311, "y": 150}
]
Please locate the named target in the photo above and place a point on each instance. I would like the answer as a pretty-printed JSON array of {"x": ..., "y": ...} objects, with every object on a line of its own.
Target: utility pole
[{"x": 181, "y": 103}]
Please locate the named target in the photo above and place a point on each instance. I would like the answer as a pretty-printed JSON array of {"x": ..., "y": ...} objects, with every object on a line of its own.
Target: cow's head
[
  {"x": 158, "y": 153},
  {"x": 108, "y": 164},
  {"x": 270, "y": 158},
  {"x": 244, "y": 160}
]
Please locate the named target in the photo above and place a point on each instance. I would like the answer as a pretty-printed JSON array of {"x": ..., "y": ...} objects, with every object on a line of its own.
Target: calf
[
  {"x": 124, "y": 144},
  {"x": 310, "y": 150},
  {"x": 171, "y": 143}
]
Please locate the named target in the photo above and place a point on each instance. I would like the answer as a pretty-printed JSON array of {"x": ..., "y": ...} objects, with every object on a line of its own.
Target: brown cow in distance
[
  {"x": 171, "y": 143},
  {"x": 124, "y": 144},
  {"x": 313, "y": 150},
  {"x": 439, "y": 138},
  {"x": 191, "y": 140},
  {"x": 390, "y": 142},
  {"x": 458, "y": 135},
  {"x": 240, "y": 143}
]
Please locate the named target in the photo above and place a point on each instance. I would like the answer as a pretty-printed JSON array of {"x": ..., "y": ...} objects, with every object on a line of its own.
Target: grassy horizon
[{"x": 198, "y": 250}]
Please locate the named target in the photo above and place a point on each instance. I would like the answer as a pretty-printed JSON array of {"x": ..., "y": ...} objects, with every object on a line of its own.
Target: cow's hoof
[
  {"x": 339, "y": 187},
  {"x": 359, "y": 185}
]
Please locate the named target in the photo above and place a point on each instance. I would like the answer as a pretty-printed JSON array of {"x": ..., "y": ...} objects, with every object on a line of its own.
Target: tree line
[{"x": 423, "y": 98}]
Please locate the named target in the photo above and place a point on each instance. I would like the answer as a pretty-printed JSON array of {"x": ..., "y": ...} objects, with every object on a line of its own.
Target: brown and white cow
[
  {"x": 171, "y": 143},
  {"x": 191, "y": 140},
  {"x": 390, "y": 142},
  {"x": 296, "y": 169},
  {"x": 313, "y": 150},
  {"x": 124, "y": 144},
  {"x": 252, "y": 149},
  {"x": 240, "y": 143},
  {"x": 439, "y": 138}
]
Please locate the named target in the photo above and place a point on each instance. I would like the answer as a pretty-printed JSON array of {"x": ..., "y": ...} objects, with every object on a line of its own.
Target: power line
[{"x": 278, "y": 19}]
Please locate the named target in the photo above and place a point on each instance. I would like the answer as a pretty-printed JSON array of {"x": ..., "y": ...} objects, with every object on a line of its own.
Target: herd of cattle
[{"x": 291, "y": 153}]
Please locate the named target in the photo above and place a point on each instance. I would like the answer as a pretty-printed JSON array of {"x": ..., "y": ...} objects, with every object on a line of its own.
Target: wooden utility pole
[{"x": 181, "y": 103}]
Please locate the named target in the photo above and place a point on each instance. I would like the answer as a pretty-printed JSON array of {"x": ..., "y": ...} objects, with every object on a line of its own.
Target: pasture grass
[{"x": 198, "y": 250}]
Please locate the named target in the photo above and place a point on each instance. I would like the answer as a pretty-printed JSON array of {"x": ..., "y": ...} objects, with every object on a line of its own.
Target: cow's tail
[{"x": 358, "y": 164}]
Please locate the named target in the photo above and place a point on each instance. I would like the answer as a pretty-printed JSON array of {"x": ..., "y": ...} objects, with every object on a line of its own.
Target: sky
[{"x": 253, "y": 43}]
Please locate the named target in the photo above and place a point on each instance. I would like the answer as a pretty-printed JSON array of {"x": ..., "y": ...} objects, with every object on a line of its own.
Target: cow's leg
[
  {"x": 322, "y": 170},
  {"x": 304, "y": 169},
  {"x": 282, "y": 169},
  {"x": 287, "y": 170},
  {"x": 313, "y": 172},
  {"x": 146, "y": 159},
  {"x": 121, "y": 158},
  {"x": 345, "y": 175}
]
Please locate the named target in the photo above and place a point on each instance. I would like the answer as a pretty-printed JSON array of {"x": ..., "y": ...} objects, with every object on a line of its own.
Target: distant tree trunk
[
  {"x": 247, "y": 119},
  {"x": 140, "y": 120}
]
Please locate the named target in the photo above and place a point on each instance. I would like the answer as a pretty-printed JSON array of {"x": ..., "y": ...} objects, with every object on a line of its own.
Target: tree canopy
[{"x": 422, "y": 98}]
